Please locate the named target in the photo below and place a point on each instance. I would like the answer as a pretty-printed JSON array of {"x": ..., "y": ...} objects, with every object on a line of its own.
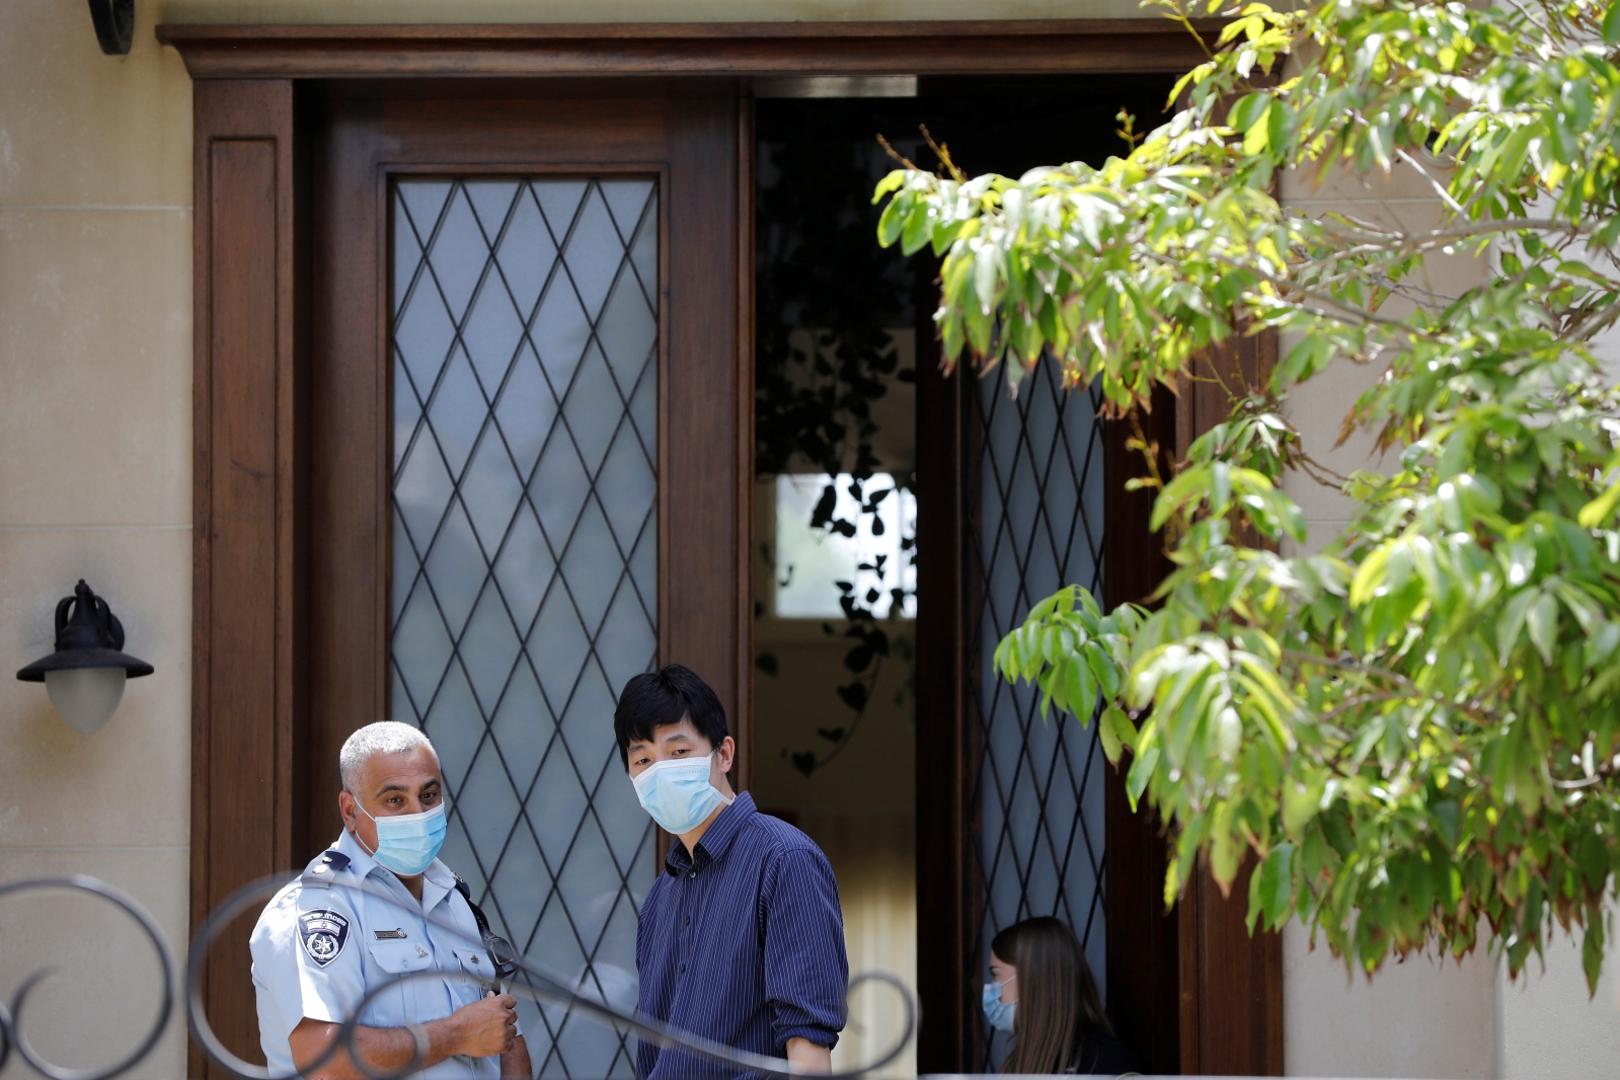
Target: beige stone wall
[
  {"x": 1422, "y": 1018},
  {"x": 95, "y": 482},
  {"x": 1547, "y": 1022},
  {"x": 1425, "y": 1018}
]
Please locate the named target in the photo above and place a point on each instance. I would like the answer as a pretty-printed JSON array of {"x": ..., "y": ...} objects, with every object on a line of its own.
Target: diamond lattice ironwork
[
  {"x": 525, "y": 341},
  {"x": 1037, "y": 490}
]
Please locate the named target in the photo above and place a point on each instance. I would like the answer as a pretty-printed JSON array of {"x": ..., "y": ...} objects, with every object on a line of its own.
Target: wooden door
[
  {"x": 291, "y": 608},
  {"x": 526, "y": 459}
]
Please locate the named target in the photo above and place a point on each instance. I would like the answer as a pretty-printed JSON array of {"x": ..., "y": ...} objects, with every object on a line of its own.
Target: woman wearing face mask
[{"x": 1041, "y": 990}]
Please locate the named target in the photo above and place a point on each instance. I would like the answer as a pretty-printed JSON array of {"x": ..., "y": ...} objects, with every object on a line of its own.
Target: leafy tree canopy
[{"x": 1416, "y": 731}]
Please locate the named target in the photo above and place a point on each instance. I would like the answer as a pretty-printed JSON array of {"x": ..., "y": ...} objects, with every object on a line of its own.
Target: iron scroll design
[{"x": 539, "y": 985}]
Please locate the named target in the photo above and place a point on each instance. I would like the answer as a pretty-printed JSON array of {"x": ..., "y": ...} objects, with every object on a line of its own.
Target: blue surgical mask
[
  {"x": 677, "y": 793},
  {"x": 408, "y": 843},
  {"x": 999, "y": 1013}
]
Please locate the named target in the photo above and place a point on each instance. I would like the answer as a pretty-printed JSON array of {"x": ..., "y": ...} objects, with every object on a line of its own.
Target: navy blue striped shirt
[{"x": 742, "y": 942}]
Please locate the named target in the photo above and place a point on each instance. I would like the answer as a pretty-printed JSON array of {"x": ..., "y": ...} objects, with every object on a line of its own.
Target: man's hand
[{"x": 485, "y": 1028}]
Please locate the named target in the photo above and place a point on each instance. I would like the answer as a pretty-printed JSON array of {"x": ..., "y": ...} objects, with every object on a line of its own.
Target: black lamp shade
[{"x": 88, "y": 635}]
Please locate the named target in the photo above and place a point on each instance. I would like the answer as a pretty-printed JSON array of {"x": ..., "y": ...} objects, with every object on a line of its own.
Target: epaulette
[{"x": 318, "y": 875}]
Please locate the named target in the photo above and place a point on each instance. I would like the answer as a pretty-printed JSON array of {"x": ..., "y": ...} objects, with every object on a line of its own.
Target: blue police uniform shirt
[
  {"x": 318, "y": 948},
  {"x": 742, "y": 942}
]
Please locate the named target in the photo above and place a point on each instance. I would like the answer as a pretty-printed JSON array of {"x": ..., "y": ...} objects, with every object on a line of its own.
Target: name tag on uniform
[{"x": 389, "y": 935}]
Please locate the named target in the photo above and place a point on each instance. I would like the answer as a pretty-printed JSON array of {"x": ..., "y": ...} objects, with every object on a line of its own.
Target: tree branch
[{"x": 1478, "y": 713}]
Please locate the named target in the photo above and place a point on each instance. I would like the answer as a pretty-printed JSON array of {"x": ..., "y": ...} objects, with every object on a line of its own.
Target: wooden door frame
[{"x": 251, "y": 558}]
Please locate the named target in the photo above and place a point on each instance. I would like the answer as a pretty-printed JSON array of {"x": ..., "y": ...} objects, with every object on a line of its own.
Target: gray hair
[{"x": 383, "y": 737}]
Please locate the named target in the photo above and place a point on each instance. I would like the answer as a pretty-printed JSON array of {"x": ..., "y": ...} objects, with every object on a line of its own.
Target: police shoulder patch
[{"x": 323, "y": 934}]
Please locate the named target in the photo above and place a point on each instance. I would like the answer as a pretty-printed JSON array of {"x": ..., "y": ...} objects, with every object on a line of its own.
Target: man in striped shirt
[{"x": 741, "y": 939}]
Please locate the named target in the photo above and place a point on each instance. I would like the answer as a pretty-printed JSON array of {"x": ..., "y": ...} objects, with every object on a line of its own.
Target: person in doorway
[
  {"x": 323, "y": 942},
  {"x": 741, "y": 939},
  {"x": 1042, "y": 991}
]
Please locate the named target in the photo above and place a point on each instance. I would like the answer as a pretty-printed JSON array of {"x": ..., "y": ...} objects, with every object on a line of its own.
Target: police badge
[{"x": 323, "y": 934}]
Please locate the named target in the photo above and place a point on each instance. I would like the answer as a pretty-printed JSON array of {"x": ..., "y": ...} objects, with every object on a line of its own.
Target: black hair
[{"x": 655, "y": 699}]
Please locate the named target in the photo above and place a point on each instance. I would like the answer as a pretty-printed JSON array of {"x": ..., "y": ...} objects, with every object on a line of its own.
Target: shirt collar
[
  {"x": 360, "y": 860},
  {"x": 438, "y": 878},
  {"x": 717, "y": 838}
]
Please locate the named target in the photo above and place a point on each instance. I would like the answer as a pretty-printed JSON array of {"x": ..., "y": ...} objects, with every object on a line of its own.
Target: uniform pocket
[
  {"x": 477, "y": 975},
  {"x": 399, "y": 957}
]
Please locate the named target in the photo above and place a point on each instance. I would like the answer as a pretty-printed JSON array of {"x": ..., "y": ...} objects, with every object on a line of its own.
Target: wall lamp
[
  {"x": 85, "y": 675},
  {"x": 114, "y": 21}
]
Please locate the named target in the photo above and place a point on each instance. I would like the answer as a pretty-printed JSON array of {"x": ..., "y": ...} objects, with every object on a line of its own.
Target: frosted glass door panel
[
  {"x": 524, "y": 579},
  {"x": 1039, "y": 499}
]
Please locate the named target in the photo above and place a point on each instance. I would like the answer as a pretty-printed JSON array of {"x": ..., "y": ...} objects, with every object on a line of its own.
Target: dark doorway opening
[{"x": 903, "y": 522}]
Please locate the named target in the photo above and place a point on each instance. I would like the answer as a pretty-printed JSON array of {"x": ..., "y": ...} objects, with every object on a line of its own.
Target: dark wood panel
[
  {"x": 945, "y": 867},
  {"x": 246, "y": 633},
  {"x": 348, "y": 458},
  {"x": 1231, "y": 998},
  {"x": 1143, "y": 946},
  {"x": 1231, "y": 982},
  {"x": 743, "y": 720},
  {"x": 703, "y": 477},
  {"x": 989, "y": 47}
]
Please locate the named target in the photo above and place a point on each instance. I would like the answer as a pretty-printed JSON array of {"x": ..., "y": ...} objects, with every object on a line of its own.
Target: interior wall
[{"x": 859, "y": 807}]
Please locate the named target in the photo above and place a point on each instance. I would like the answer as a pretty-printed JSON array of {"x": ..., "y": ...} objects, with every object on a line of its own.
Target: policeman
[{"x": 322, "y": 943}]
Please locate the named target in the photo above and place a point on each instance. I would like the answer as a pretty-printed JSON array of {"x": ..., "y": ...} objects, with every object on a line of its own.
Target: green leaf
[
  {"x": 917, "y": 232},
  {"x": 1257, "y": 136},
  {"x": 1511, "y": 624},
  {"x": 1081, "y": 693},
  {"x": 1611, "y": 24},
  {"x": 1592, "y": 942},
  {"x": 986, "y": 270},
  {"x": 890, "y": 222},
  {"x": 1299, "y": 804},
  {"x": 1543, "y": 621},
  {"x": 888, "y": 185},
  {"x": 1276, "y": 876},
  {"x": 1600, "y": 509},
  {"x": 1116, "y": 732},
  {"x": 1225, "y": 849},
  {"x": 1369, "y": 575},
  {"x": 1136, "y": 780}
]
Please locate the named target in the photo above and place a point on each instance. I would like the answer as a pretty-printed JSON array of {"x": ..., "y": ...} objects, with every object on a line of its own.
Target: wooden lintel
[{"x": 1029, "y": 47}]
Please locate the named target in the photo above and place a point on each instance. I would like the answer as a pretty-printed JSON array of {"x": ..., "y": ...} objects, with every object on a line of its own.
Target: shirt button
[
  {"x": 682, "y": 969},
  {"x": 689, "y": 920},
  {"x": 692, "y": 874}
]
